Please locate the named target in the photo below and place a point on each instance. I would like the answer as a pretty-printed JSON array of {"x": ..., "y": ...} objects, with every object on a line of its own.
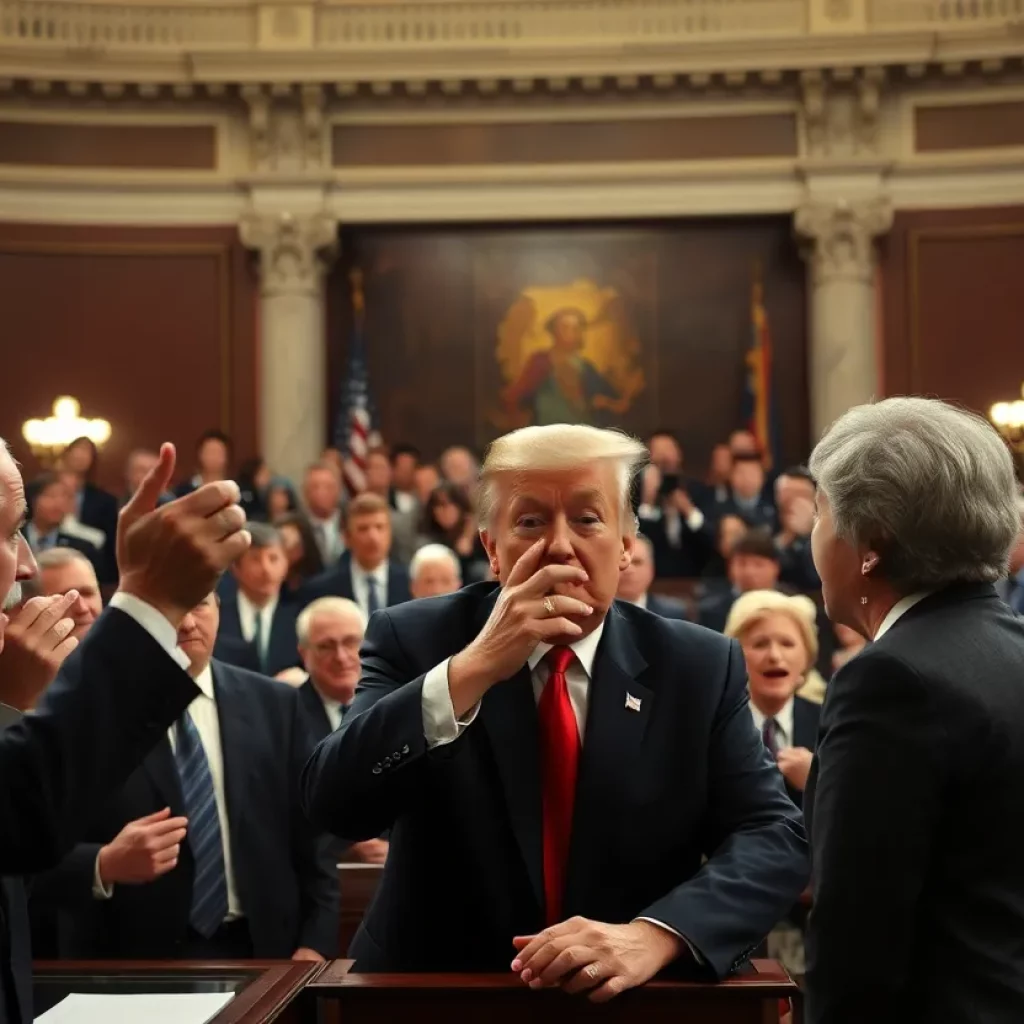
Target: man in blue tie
[{"x": 252, "y": 878}]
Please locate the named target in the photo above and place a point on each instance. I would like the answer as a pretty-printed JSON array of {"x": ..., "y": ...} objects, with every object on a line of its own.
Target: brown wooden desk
[
  {"x": 358, "y": 883},
  {"x": 750, "y": 998},
  {"x": 265, "y": 990}
]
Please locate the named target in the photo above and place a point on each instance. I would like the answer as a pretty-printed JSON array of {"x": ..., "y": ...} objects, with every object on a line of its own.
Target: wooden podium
[{"x": 752, "y": 997}]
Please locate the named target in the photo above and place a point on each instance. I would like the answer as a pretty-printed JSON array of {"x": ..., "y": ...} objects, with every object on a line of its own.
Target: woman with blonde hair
[{"x": 779, "y": 638}]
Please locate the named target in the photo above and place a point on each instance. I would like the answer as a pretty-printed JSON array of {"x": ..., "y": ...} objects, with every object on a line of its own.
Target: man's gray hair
[
  {"x": 57, "y": 558},
  {"x": 562, "y": 446},
  {"x": 326, "y": 606},
  {"x": 928, "y": 486},
  {"x": 434, "y": 553}
]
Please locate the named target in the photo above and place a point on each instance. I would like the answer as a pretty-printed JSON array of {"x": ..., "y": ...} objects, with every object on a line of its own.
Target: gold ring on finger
[
  {"x": 549, "y": 606},
  {"x": 591, "y": 971}
]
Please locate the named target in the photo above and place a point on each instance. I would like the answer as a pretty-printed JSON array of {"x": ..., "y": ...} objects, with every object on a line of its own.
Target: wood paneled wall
[
  {"x": 436, "y": 300},
  {"x": 152, "y": 329},
  {"x": 954, "y": 305}
]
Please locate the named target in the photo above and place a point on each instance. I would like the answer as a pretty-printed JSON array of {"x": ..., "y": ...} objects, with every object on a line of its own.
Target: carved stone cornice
[
  {"x": 294, "y": 250},
  {"x": 840, "y": 237}
]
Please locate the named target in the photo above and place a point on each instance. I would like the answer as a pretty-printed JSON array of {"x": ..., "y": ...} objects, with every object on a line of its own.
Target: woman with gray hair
[{"x": 915, "y": 802}]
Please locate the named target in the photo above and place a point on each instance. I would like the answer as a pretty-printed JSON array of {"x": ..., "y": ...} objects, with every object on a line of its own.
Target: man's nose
[
  {"x": 27, "y": 567},
  {"x": 560, "y": 538}
]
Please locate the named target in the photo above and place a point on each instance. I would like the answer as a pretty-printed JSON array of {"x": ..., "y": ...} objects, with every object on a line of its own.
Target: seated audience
[
  {"x": 301, "y": 550},
  {"x": 779, "y": 637},
  {"x": 425, "y": 479},
  {"x": 254, "y": 481},
  {"x": 459, "y": 466},
  {"x": 403, "y": 524},
  {"x": 213, "y": 461},
  {"x": 52, "y": 523},
  {"x": 405, "y": 461},
  {"x": 679, "y": 532},
  {"x": 794, "y": 499},
  {"x": 91, "y": 506},
  {"x": 140, "y": 462},
  {"x": 321, "y": 495},
  {"x": 729, "y": 528},
  {"x": 753, "y": 565},
  {"x": 719, "y": 471},
  {"x": 247, "y": 876},
  {"x": 254, "y": 612},
  {"x": 281, "y": 498},
  {"x": 635, "y": 583},
  {"x": 64, "y": 569},
  {"x": 448, "y": 519},
  {"x": 850, "y": 644},
  {"x": 746, "y": 494},
  {"x": 667, "y": 454},
  {"x": 365, "y": 574},
  {"x": 330, "y": 632},
  {"x": 434, "y": 570}
]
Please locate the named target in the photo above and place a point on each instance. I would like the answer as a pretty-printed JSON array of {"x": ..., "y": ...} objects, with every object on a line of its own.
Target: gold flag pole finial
[{"x": 356, "y": 280}]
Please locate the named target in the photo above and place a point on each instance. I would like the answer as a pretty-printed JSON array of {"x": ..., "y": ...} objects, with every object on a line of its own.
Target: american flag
[{"x": 355, "y": 426}]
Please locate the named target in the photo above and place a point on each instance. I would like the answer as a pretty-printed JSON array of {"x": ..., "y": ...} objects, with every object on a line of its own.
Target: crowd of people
[{"x": 219, "y": 832}]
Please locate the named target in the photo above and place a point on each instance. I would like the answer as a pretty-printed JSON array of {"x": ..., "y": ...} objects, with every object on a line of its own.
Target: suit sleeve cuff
[
  {"x": 440, "y": 725},
  {"x": 153, "y": 622},
  {"x": 695, "y": 521},
  {"x": 99, "y": 890},
  {"x": 682, "y": 938}
]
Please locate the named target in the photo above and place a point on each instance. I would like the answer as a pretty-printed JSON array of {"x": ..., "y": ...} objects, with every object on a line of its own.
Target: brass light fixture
[{"x": 49, "y": 437}]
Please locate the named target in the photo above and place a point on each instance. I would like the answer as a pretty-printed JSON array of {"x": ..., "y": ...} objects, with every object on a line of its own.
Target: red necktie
[{"x": 559, "y": 755}]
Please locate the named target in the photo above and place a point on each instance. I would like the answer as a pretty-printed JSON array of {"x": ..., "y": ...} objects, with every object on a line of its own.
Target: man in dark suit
[
  {"x": 51, "y": 509},
  {"x": 252, "y": 878},
  {"x": 364, "y": 573},
  {"x": 749, "y": 497},
  {"x": 636, "y": 579},
  {"x": 213, "y": 461},
  {"x": 254, "y": 612},
  {"x": 579, "y": 759},
  {"x": 110, "y": 701},
  {"x": 753, "y": 565},
  {"x": 330, "y": 632}
]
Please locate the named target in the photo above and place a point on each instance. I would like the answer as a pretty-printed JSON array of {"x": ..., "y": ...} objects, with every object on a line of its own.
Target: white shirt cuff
[
  {"x": 683, "y": 938},
  {"x": 649, "y": 512},
  {"x": 440, "y": 725},
  {"x": 154, "y": 623},
  {"x": 99, "y": 890},
  {"x": 695, "y": 520}
]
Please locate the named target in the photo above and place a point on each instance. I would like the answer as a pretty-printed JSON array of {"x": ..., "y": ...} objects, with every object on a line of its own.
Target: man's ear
[
  {"x": 491, "y": 547},
  {"x": 626, "y": 556}
]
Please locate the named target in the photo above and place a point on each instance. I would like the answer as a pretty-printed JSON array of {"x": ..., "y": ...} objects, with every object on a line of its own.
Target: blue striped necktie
[{"x": 209, "y": 884}]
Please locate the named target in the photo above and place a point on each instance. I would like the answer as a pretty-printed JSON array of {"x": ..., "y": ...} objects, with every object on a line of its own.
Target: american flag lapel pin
[{"x": 632, "y": 703}]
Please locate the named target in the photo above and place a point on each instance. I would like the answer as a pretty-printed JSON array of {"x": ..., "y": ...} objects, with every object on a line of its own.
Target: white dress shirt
[
  {"x": 247, "y": 614},
  {"x": 161, "y": 630},
  {"x": 440, "y": 725},
  {"x": 204, "y": 713},
  {"x": 328, "y": 536},
  {"x": 406, "y": 502},
  {"x": 898, "y": 610},
  {"x": 783, "y": 724},
  {"x": 361, "y": 589},
  {"x": 673, "y": 521},
  {"x": 333, "y": 708}
]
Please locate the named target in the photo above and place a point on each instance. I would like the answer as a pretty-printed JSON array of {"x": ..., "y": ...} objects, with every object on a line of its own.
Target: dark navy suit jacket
[
  {"x": 806, "y": 715},
  {"x": 282, "y": 647},
  {"x": 659, "y": 788},
  {"x": 113, "y": 698},
  {"x": 337, "y": 582},
  {"x": 286, "y": 878},
  {"x": 667, "y": 607}
]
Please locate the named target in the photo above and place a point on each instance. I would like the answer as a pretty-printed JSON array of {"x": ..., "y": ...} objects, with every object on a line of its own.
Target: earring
[
  {"x": 869, "y": 564},
  {"x": 863, "y": 600}
]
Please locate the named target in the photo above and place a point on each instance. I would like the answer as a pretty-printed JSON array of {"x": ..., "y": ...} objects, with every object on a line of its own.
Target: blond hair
[
  {"x": 755, "y": 605},
  {"x": 561, "y": 446}
]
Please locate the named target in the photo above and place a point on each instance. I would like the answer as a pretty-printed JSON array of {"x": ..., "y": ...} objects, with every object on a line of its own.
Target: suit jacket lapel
[
  {"x": 231, "y": 619},
  {"x": 162, "y": 770},
  {"x": 509, "y": 714},
  {"x": 235, "y": 733},
  {"x": 612, "y": 747},
  {"x": 315, "y": 709}
]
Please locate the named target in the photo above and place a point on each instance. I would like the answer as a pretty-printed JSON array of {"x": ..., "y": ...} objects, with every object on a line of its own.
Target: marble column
[
  {"x": 294, "y": 253},
  {"x": 840, "y": 250}
]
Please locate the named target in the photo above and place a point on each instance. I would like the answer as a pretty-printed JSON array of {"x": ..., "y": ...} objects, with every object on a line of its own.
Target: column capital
[
  {"x": 295, "y": 249},
  {"x": 841, "y": 236}
]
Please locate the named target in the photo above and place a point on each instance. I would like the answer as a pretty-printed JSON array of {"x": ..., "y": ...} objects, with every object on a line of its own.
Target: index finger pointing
[
  {"x": 526, "y": 565},
  {"x": 53, "y": 612}
]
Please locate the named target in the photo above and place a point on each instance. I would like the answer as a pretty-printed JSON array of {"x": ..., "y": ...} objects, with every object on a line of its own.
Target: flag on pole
[
  {"x": 759, "y": 408},
  {"x": 355, "y": 426}
]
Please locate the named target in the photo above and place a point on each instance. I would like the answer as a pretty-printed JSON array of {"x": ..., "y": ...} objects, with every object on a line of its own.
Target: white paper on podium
[{"x": 155, "y": 1008}]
